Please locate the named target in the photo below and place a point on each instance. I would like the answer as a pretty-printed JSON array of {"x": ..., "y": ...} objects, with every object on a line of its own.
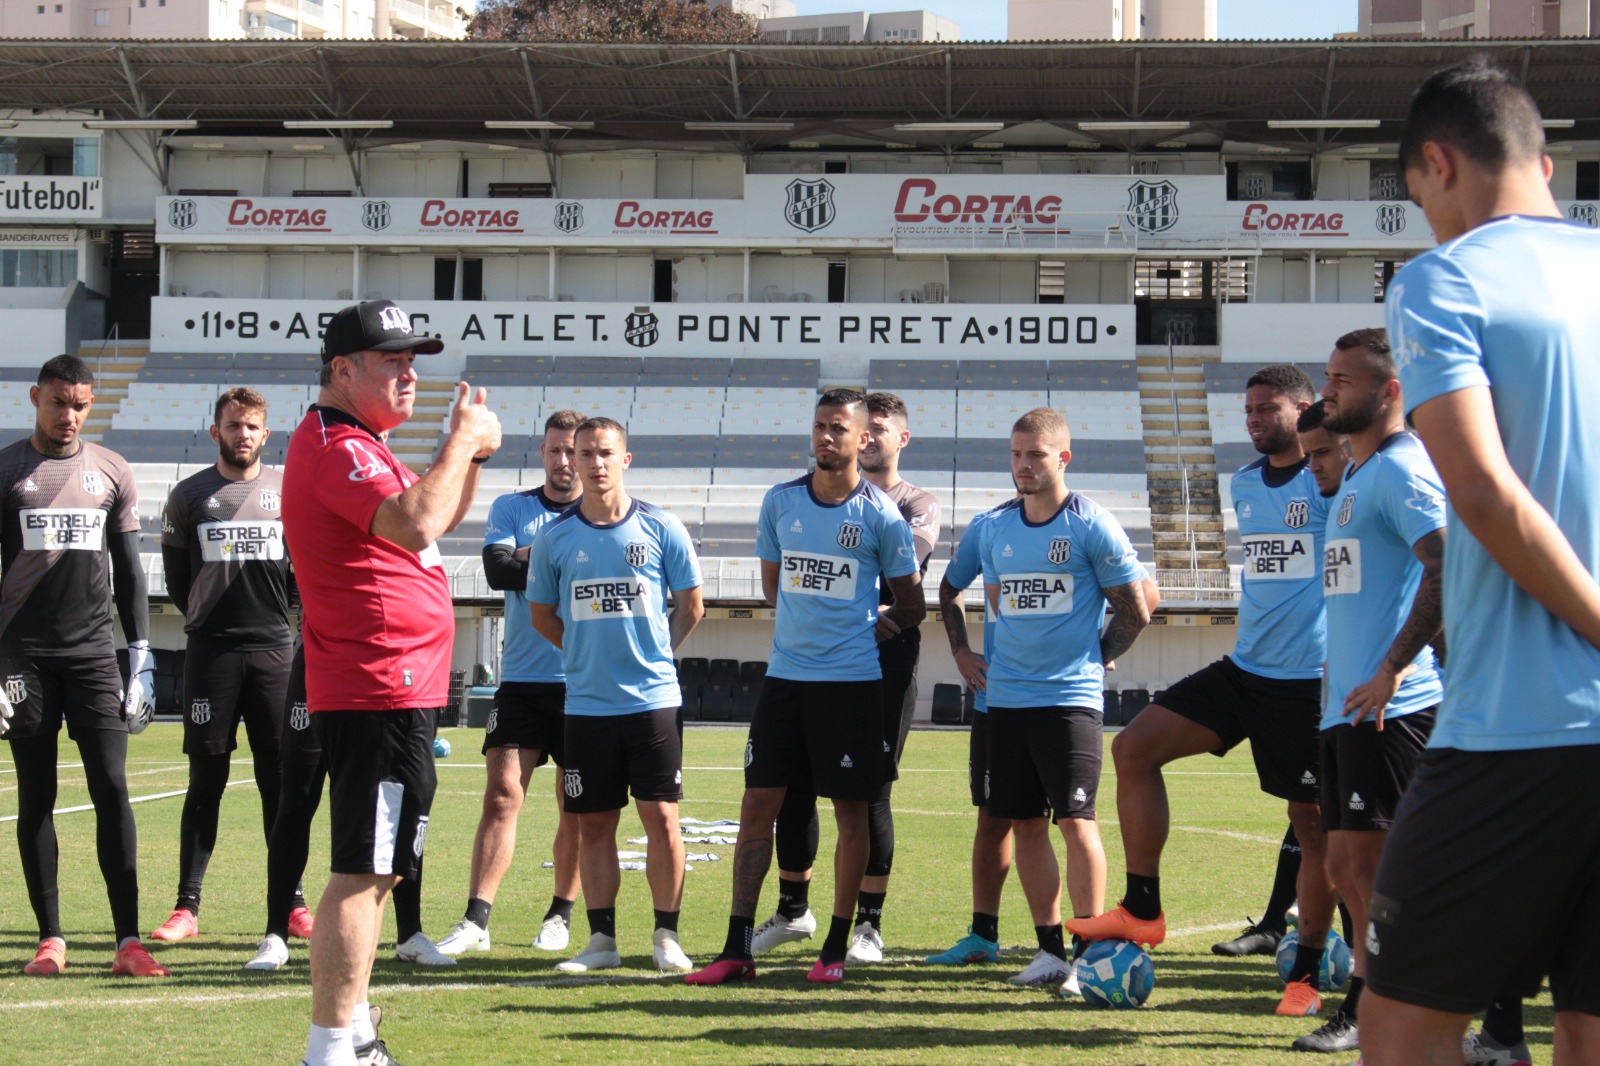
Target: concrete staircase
[
  {"x": 1181, "y": 463},
  {"x": 414, "y": 443},
  {"x": 115, "y": 367}
]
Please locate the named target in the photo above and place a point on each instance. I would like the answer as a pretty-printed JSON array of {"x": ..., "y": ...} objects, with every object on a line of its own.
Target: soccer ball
[
  {"x": 441, "y": 748},
  {"x": 1115, "y": 973},
  {"x": 1332, "y": 971}
]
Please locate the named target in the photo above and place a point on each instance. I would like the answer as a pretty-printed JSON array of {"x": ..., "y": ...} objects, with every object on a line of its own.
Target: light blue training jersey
[
  {"x": 1511, "y": 305},
  {"x": 1050, "y": 605},
  {"x": 829, "y": 557},
  {"x": 610, "y": 585},
  {"x": 966, "y": 566},
  {"x": 1282, "y": 518},
  {"x": 1370, "y": 573},
  {"x": 515, "y": 519}
]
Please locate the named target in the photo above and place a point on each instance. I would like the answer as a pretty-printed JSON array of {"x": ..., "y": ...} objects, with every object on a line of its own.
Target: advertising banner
[{"x": 42, "y": 196}]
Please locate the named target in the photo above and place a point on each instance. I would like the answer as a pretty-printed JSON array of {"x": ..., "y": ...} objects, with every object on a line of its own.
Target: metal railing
[{"x": 110, "y": 338}]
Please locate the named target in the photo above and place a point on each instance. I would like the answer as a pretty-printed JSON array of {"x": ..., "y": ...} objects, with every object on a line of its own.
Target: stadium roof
[{"x": 830, "y": 94}]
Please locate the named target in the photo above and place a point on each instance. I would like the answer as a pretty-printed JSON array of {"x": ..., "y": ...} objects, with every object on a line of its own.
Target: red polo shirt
[{"x": 378, "y": 622}]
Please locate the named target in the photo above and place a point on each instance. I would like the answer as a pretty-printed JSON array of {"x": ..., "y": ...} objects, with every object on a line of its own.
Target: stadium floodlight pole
[
  {"x": 534, "y": 124},
  {"x": 141, "y": 124},
  {"x": 338, "y": 124},
  {"x": 1324, "y": 123}
]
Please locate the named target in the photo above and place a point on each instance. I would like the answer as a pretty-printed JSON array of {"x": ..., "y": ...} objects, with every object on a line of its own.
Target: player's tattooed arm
[
  {"x": 1130, "y": 613},
  {"x": 751, "y": 861},
  {"x": 1421, "y": 626},
  {"x": 974, "y": 670},
  {"x": 908, "y": 609},
  {"x": 1427, "y": 607}
]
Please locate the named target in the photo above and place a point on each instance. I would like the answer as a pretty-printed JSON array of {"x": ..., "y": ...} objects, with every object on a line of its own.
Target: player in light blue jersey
[
  {"x": 1267, "y": 691},
  {"x": 1052, "y": 561},
  {"x": 526, "y": 727},
  {"x": 598, "y": 583},
  {"x": 1382, "y": 573},
  {"x": 825, "y": 541},
  {"x": 1497, "y": 336}
]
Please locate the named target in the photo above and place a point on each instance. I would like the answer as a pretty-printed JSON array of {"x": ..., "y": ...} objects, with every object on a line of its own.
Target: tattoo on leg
[{"x": 750, "y": 864}]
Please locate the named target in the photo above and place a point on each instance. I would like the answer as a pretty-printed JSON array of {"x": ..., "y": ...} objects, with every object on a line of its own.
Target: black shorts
[
  {"x": 610, "y": 754},
  {"x": 381, "y": 784},
  {"x": 1042, "y": 758},
  {"x": 897, "y": 657},
  {"x": 298, "y": 744},
  {"x": 978, "y": 760},
  {"x": 1280, "y": 718},
  {"x": 529, "y": 715},
  {"x": 1365, "y": 771},
  {"x": 222, "y": 687},
  {"x": 825, "y": 737},
  {"x": 84, "y": 691},
  {"x": 1508, "y": 833}
]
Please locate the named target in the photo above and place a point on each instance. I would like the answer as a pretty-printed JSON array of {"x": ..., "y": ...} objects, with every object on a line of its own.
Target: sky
[{"x": 985, "y": 20}]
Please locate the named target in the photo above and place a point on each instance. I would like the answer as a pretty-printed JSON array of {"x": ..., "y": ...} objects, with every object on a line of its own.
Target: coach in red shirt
[{"x": 378, "y": 628}]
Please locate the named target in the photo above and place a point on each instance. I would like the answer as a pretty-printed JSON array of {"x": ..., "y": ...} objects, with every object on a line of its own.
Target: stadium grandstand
[{"x": 695, "y": 239}]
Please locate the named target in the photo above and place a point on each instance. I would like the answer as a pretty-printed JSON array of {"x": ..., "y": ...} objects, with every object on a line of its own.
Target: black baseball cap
[{"x": 374, "y": 326}]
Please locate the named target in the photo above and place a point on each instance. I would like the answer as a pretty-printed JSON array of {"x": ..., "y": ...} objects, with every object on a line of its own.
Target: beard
[
  {"x": 562, "y": 482},
  {"x": 833, "y": 462},
  {"x": 1277, "y": 441},
  {"x": 231, "y": 459},
  {"x": 872, "y": 462},
  {"x": 1354, "y": 419}
]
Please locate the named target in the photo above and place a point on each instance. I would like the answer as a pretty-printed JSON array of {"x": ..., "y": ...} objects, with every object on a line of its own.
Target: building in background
[
  {"x": 1115, "y": 20},
  {"x": 1478, "y": 18},
  {"x": 848, "y": 25},
  {"x": 226, "y": 19}
]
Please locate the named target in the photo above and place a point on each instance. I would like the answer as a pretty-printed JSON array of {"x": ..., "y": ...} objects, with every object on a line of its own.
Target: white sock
[
  {"x": 124, "y": 942},
  {"x": 329, "y": 1047},
  {"x": 361, "y": 1031}
]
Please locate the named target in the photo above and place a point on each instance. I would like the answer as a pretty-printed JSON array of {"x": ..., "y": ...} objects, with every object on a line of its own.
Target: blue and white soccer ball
[
  {"x": 1115, "y": 973},
  {"x": 1332, "y": 971},
  {"x": 441, "y": 748}
]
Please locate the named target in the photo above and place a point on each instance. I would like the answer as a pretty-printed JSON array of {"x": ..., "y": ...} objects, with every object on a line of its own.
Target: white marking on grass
[{"x": 135, "y": 799}]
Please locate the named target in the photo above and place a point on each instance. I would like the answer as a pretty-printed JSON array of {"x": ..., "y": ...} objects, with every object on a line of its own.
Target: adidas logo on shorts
[
  {"x": 1079, "y": 796},
  {"x": 1308, "y": 778},
  {"x": 1356, "y": 802},
  {"x": 846, "y": 763}
]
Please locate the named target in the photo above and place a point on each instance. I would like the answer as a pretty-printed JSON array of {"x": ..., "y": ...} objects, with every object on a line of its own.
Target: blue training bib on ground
[
  {"x": 1370, "y": 573},
  {"x": 1511, "y": 305},
  {"x": 610, "y": 585},
  {"x": 829, "y": 559},
  {"x": 515, "y": 520},
  {"x": 1282, "y": 627},
  {"x": 966, "y": 566},
  {"x": 1050, "y": 605}
]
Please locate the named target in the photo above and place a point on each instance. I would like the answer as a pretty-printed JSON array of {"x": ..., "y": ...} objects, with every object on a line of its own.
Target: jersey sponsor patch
[
  {"x": 365, "y": 464},
  {"x": 222, "y": 542},
  {"x": 1279, "y": 557},
  {"x": 1341, "y": 568},
  {"x": 1032, "y": 594},
  {"x": 608, "y": 598},
  {"x": 430, "y": 556},
  {"x": 811, "y": 574},
  {"x": 47, "y": 529}
]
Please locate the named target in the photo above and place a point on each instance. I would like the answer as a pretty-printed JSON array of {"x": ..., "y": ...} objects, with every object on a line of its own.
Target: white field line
[{"x": 135, "y": 799}]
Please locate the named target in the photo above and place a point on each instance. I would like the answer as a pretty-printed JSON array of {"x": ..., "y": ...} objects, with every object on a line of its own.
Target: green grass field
[{"x": 510, "y": 1006}]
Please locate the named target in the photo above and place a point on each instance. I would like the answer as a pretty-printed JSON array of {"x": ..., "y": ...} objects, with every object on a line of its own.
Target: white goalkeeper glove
[
  {"x": 5, "y": 714},
  {"x": 139, "y": 696}
]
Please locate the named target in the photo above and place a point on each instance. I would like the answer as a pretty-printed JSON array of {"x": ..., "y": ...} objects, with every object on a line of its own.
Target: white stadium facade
[{"x": 693, "y": 239}]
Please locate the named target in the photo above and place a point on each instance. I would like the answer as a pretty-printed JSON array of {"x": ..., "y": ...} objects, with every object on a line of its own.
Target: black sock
[
  {"x": 1306, "y": 960},
  {"x": 1344, "y": 922},
  {"x": 1143, "y": 898},
  {"x": 188, "y": 903},
  {"x": 869, "y": 908},
  {"x": 1352, "y": 1000},
  {"x": 667, "y": 920},
  {"x": 478, "y": 912},
  {"x": 740, "y": 932},
  {"x": 407, "y": 896},
  {"x": 298, "y": 900},
  {"x": 986, "y": 926},
  {"x": 559, "y": 908},
  {"x": 794, "y": 898},
  {"x": 1285, "y": 884},
  {"x": 1079, "y": 944},
  {"x": 833, "y": 948},
  {"x": 1050, "y": 939},
  {"x": 1503, "y": 1020},
  {"x": 603, "y": 920}
]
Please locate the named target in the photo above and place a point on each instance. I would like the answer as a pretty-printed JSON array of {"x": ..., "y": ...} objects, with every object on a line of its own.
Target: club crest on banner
[
  {"x": 183, "y": 214},
  {"x": 569, "y": 216},
  {"x": 809, "y": 204},
  {"x": 376, "y": 215},
  {"x": 643, "y": 329},
  {"x": 1152, "y": 206},
  {"x": 1391, "y": 219}
]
